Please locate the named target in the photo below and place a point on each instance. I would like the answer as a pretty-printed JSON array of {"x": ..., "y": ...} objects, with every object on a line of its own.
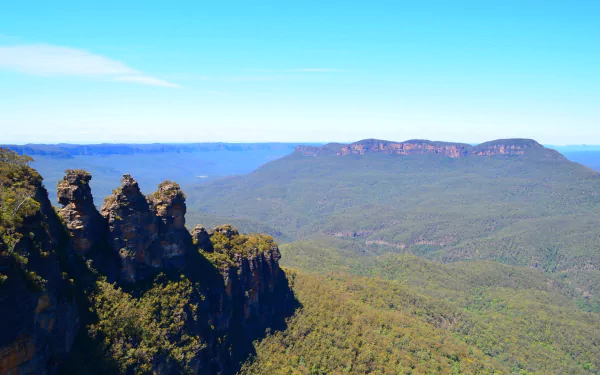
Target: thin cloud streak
[
  {"x": 250, "y": 79},
  {"x": 217, "y": 93},
  {"x": 301, "y": 70},
  {"x": 145, "y": 80},
  {"x": 49, "y": 60}
]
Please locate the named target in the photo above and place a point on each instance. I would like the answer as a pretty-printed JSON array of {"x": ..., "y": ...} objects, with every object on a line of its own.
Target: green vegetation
[
  {"x": 168, "y": 190},
  {"x": 136, "y": 332},
  {"x": 168, "y": 321},
  {"x": 227, "y": 240},
  {"x": 359, "y": 218},
  {"x": 522, "y": 210},
  {"x": 371, "y": 303},
  {"x": 341, "y": 331},
  {"x": 18, "y": 185},
  {"x": 18, "y": 188},
  {"x": 467, "y": 318}
]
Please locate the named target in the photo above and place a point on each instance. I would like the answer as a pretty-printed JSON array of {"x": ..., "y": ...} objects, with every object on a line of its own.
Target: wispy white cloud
[
  {"x": 49, "y": 60},
  {"x": 250, "y": 79},
  {"x": 300, "y": 70},
  {"x": 320, "y": 70},
  {"x": 145, "y": 80},
  {"x": 217, "y": 93}
]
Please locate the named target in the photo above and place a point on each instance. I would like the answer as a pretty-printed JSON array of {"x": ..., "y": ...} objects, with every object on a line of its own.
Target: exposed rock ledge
[{"x": 506, "y": 147}]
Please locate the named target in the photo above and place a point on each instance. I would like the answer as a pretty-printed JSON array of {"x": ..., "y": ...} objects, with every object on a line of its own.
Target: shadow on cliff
[
  {"x": 242, "y": 331},
  {"x": 283, "y": 304},
  {"x": 87, "y": 354}
]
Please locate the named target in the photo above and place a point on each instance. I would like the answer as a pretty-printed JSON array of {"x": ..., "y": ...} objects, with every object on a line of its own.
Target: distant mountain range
[
  {"x": 585, "y": 154},
  {"x": 422, "y": 146},
  {"x": 516, "y": 224},
  {"x": 514, "y": 201},
  {"x": 67, "y": 150},
  {"x": 149, "y": 163}
]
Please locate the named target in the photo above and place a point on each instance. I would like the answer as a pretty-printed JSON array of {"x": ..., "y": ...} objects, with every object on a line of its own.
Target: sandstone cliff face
[
  {"x": 201, "y": 238},
  {"x": 502, "y": 147},
  {"x": 404, "y": 148},
  {"x": 252, "y": 276},
  {"x": 133, "y": 229},
  {"x": 514, "y": 147},
  {"x": 78, "y": 212},
  {"x": 38, "y": 313},
  {"x": 147, "y": 233},
  {"x": 255, "y": 295},
  {"x": 168, "y": 204},
  {"x": 239, "y": 293},
  {"x": 257, "y": 275}
]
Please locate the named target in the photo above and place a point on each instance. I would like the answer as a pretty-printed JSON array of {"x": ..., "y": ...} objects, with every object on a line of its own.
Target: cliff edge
[{"x": 127, "y": 289}]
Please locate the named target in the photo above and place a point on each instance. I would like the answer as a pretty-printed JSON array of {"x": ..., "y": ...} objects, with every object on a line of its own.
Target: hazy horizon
[{"x": 564, "y": 145}]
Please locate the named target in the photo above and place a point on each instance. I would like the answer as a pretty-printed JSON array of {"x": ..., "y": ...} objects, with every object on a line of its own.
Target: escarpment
[
  {"x": 500, "y": 147},
  {"x": 206, "y": 294},
  {"x": 39, "y": 319},
  {"x": 404, "y": 148},
  {"x": 251, "y": 273}
]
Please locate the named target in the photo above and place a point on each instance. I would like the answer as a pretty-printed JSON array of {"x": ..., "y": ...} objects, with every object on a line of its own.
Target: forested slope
[
  {"x": 533, "y": 208},
  {"x": 426, "y": 318}
]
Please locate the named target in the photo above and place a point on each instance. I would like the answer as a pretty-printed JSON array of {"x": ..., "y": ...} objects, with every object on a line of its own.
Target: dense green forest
[
  {"x": 516, "y": 290},
  {"x": 475, "y": 318},
  {"x": 323, "y": 255},
  {"x": 365, "y": 304},
  {"x": 542, "y": 212},
  {"x": 18, "y": 184}
]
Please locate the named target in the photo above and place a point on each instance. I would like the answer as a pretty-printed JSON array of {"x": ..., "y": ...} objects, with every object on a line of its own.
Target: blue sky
[{"x": 246, "y": 71}]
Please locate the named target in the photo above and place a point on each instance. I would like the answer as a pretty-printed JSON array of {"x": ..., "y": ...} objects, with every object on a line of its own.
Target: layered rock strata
[
  {"x": 78, "y": 212},
  {"x": 501, "y": 147}
]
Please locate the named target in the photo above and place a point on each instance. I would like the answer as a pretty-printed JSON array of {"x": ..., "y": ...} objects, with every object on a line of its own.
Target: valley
[
  {"x": 415, "y": 258},
  {"x": 533, "y": 208}
]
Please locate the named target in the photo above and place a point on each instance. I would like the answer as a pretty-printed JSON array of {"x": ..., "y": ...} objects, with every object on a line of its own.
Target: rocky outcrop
[
  {"x": 514, "y": 147},
  {"x": 168, "y": 204},
  {"x": 147, "y": 233},
  {"x": 237, "y": 283},
  {"x": 328, "y": 149},
  {"x": 79, "y": 214},
  {"x": 255, "y": 286},
  {"x": 201, "y": 239},
  {"x": 38, "y": 313},
  {"x": 257, "y": 273},
  {"x": 133, "y": 230},
  {"x": 404, "y": 148},
  {"x": 501, "y": 147}
]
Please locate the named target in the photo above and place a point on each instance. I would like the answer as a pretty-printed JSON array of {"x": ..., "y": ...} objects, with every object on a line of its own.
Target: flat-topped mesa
[
  {"x": 411, "y": 147},
  {"x": 328, "y": 149},
  {"x": 81, "y": 217},
  {"x": 500, "y": 147},
  {"x": 133, "y": 229},
  {"x": 516, "y": 146}
]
